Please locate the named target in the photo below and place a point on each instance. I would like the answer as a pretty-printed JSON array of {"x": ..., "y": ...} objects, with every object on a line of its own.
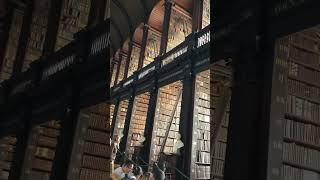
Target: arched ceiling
[{"x": 126, "y": 16}]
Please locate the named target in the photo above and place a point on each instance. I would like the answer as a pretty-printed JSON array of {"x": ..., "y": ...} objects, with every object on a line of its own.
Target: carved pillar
[
  {"x": 23, "y": 39},
  {"x": 4, "y": 34},
  {"x": 145, "y": 151},
  {"x": 143, "y": 45},
  {"x": 166, "y": 23},
  {"x": 53, "y": 26},
  {"x": 247, "y": 138},
  {"x": 116, "y": 110},
  {"x": 118, "y": 69},
  {"x": 124, "y": 139},
  {"x": 21, "y": 146},
  {"x": 128, "y": 58},
  {"x": 186, "y": 122},
  {"x": 97, "y": 12},
  {"x": 69, "y": 126},
  {"x": 197, "y": 15}
]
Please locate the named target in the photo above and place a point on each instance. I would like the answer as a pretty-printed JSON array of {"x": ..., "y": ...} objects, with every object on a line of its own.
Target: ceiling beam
[{"x": 124, "y": 11}]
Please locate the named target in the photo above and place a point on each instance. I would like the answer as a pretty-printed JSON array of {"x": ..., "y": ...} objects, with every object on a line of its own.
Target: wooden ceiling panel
[
  {"x": 133, "y": 11},
  {"x": 157, "y": 16},
  {"x": 137, "y": 37}
]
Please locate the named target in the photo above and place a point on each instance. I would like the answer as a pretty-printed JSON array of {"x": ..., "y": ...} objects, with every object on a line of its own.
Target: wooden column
[
  {"x": 66, "y": 141},
  {"x": 249, "y": 104},
  {"x": 115, "y": 113},
  {"x": 118, "y": 69},
  {"x": 165, "y": 28},
  {"x": 197, "y": 15},
  {"x": 53, "y": 27},
  {"x": 97, "y": 12},
  {"x": 26, "y": 164},
  {"x": 4, "y": 34},
  {"x": 145, "y": 151},
  {"x": 111, "y": 70},
  {"x": 143, "y": 45},
  {"x": 124, "y": 139},
  {"x": 16, "y": 169},
  {"x": 23, "y": 39},
  {"x": 128, "y": 58},
  {"x": 186, "y": 123}
]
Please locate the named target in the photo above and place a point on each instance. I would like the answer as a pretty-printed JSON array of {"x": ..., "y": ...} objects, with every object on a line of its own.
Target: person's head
[
  {"x": 163, "y": 166},
  {"x": 147, "y": 176},
  {"x": 137, "y": 171},
  {"x": 127, "y": 166}
]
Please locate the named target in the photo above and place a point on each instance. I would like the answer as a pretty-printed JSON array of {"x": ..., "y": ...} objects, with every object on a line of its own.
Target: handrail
[
  {"x": 149, "y": 165},
  {"x": 96, "y": 39},
  {"x": 193, "y": 41}
]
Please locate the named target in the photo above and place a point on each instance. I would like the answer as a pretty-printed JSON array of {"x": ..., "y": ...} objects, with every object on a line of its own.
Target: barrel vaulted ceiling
[{"x": 126, "y": 16}]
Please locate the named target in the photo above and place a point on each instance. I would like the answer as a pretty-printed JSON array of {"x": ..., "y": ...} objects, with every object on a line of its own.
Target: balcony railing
[
  {"x": 89, "y": 49},
  {"x": 198, "y": 43}
]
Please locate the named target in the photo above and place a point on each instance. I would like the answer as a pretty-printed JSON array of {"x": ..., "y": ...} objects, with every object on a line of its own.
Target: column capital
[
  {"x": 146, "y": 26},
  {"x": 169, "y": 3}
]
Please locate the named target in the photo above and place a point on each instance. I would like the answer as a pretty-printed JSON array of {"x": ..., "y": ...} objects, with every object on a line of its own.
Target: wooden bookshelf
[
  {"x": 74, "y": 17},
  {"x": 137, "y": 123},
  {"x": 180, "y": 27},
  {"x": 38, "y": 31},
  {"x": 7, "y": 151},
  {"x": 122, "y": 68},
  {"x": 12, "y": 44},
  {"x": 168, "y": 109},
  {"x": 114, "y": 74},
  {"x": 301, "y": 116},
  {"x": 152, "y": 47},
  {"x": 44, "y": 139},
  {"x": 120, "y": 119},
  {"x": 93, "y": 151},
  {"x": 134, "y": 60},
  {"x": 206, "y": 13},
  {"x": 201, "y": 139}
]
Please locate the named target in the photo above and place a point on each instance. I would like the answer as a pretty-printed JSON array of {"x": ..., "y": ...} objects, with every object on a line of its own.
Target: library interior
[{"x": 87, "y": 86}]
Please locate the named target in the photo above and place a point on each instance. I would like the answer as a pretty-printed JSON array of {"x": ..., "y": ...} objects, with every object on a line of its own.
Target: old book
[
  {"x": 90, "y": 174},
  {"x": 180, "y": 26},
  {"x": 97, "y": 163}
]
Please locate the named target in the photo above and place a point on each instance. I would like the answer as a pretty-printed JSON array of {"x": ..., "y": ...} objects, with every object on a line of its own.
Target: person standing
[{"x": 124, "y": 172}]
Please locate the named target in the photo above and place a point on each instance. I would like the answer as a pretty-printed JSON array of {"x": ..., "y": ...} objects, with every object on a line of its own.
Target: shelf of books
[
  {"x": 112, "y": 108},
  {"x": 134, "y": 59},
  {"x": 201, "y": 134},
  {"x": 206, "y": 13},
  {"x": 120, "y": 120},
  {"x": 122, "y": 68},
  {"x": 152, "y": 47},
  {"x": 300, "y": 52},
  {"x": 137, "y": 124},
  {"x": 42, "y": 144},
  {"x": 7, "y": 152},
  {"x": 179, "y": 28},
  {"x": 220, "y": 81},
  {"x": 74, "y": 17},
  {"x": 210, "y": 134},
  {"x": 96, "y": 150},
  {"x": 38, "y": 31},
  {"x": 114, "y": 74},
  {"x": 166, "y": 137},
  {"x": 12, "y": 44}
]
